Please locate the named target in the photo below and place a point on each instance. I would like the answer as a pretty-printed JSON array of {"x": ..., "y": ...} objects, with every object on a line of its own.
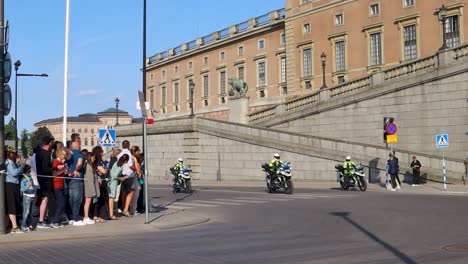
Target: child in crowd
[{"x": 29, "y": 195}]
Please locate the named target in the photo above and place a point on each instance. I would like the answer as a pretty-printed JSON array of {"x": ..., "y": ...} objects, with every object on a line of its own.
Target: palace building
[{"x": 289, "y": 52}]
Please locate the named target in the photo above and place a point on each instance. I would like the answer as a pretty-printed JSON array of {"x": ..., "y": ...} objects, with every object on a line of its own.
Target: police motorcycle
[
  {"x": 282, "y": 180},
  {"x": 182, "y": 181},
  {"x": 357, "y": 178}
]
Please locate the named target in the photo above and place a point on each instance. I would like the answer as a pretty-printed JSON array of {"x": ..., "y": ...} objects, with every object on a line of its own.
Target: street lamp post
[
  {"x": 17, "y": 65},
  {"x": 443, "y": 18},
  {"x": 117, "y": 110},
  {"x": 191, "y": 89},
  {"x": 323, "y": 58}
]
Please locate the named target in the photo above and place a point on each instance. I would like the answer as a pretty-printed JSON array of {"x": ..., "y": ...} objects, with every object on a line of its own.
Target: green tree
[
  {"x": 10, "y": 130},
  {"x": 26, "y": 148},
  {"x": 36, "y": 139}
]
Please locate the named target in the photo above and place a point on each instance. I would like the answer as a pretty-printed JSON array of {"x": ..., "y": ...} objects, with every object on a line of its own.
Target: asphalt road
[{"x": 251, "y": 226}]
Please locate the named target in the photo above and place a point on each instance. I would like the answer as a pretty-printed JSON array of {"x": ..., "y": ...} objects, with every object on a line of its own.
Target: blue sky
[{"x": 105, "y": 47}]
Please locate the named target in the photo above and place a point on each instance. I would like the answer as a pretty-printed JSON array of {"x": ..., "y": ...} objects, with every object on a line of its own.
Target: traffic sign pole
[{"x": 443, "y": 169}]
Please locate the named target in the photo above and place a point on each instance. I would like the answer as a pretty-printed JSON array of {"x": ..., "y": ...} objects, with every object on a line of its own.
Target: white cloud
[{"x": 87, "y": 92}]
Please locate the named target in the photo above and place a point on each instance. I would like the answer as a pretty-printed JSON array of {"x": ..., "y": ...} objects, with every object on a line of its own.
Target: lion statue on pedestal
[{"x": 238, "y": 87}]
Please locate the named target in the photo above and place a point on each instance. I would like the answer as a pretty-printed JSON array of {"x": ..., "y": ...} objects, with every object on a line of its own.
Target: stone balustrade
[
  {"x": 411, "y": 68},
  {"x": 460, "y": 52},
  {"x": 262, "y": 114},
  {"x": 350, "y": 86},
  {"x": 303, "y": 101}
]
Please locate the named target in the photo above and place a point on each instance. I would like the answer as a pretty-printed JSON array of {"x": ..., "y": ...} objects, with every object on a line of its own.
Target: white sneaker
[
  {"x": 88, "y": 221},
  {"x": 413, "y": 184},
  {"x": 393, "y": 190},
  {"x": 79, "y": 223},
  {"x": 398, "y": 188},
  {"x": 119, "y": 211}
]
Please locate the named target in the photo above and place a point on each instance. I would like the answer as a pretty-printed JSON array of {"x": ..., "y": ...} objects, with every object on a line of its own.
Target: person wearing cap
[
  {"x": 275, "y": 165},
  {"x": 348, "y": 168},
  {"x": 44, "y": 173}
]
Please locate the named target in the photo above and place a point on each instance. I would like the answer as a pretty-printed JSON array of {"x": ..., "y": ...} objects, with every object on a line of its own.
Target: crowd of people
[{"x": 62, "y": 184}]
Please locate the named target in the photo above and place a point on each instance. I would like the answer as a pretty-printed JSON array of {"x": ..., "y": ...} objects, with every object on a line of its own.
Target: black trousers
[
  {"x": 395, "y": 178},
  {"x": 416, "y": 174}
]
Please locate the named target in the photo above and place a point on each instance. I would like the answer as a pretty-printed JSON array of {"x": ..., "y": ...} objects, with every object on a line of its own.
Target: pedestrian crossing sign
[
  {"x": 107, "y": 137},
  {"x": 442, "y": 141}
]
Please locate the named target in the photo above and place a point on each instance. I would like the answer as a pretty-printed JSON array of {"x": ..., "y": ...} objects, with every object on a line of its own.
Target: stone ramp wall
[{"x": 230, "y": 151}]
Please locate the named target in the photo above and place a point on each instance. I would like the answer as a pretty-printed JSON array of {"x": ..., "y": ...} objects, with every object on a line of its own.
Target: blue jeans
[
  {"x": 59, "y": 205},
  {"x": 75, "y": 196},
  {"x": 27, "y": 206}
]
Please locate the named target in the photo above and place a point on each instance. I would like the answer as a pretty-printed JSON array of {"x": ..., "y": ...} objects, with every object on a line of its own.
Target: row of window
[
  {"x": 409, "y": 42},
  {"x": 222, "y": 56},
  {"x": 406, "y": 3},
  {"x": 374, "y": 10},
  {"x": 73, "y": 130},
  {"x": 222, "y": 79}
]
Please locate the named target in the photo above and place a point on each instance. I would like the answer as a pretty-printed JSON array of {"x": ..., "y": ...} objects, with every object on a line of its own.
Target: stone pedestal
[{"x": 239, "y": 109}]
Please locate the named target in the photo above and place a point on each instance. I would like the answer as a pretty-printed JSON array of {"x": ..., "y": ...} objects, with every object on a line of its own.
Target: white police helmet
[
  {"x": 276, "y": 156},
  {"x": 348, "y": 158},
  {"x": 181, "y": 160}
]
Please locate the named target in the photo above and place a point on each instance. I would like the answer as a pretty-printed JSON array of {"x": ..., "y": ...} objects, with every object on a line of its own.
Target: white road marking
[
  {"x": 214, "y": 202},
  {"x": 263, "y": 198},
  {"x": 178, "y": 207},
  {"x": 241, "y": 201},
  {"x": 196, "y": 204}
]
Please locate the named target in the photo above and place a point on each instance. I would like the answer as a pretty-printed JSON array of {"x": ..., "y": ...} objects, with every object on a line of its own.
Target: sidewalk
[{"x": 163, "y": 220}]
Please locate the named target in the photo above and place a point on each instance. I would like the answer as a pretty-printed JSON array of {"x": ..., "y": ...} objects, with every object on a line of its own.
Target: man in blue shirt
[{"x": 76, "y": 186}]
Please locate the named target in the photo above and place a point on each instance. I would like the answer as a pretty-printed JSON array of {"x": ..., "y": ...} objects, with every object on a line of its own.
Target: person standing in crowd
[
  {"x": 416, "y": 166},
  {"x": 113, "y": 157},
  {"x": 75, "y": 186},
  {"x": 91, "y": 189},
  {"x": 128, "y": 190},
  {"x": 44, "y": 171},
  {"x": 393, "y": 171},
  {"x": 136, "y": 152},
  {"x": 115, "y": 178},
  {"x": 55, "y": 147},
  {"x": 12, "y": 188},
  {"x": 29, "y": 194},
  {"x": 60, "y": 170},
  {"x": 100, "y": 208},
  {"x": 141, "y": 199}
]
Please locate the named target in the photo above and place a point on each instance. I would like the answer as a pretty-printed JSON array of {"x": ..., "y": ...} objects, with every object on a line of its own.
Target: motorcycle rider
[
  {"x": 348, "y": 168},
  {"x": 178, "y": 167},
  {"x": 274, "y": 166}
]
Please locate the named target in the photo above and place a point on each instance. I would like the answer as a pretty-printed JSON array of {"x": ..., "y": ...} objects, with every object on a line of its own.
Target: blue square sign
[
  {"x": 442, "y": 140},
  {"x": 107, "y": 137}
]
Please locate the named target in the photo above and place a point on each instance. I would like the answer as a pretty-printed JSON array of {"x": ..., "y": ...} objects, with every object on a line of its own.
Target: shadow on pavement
[
  {"x": 161, "y": 208},
  {"x": 392, "y": 249}
]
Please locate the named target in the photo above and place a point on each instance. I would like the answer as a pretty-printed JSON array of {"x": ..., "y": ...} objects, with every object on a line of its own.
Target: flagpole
[{"x": 65, "y": 73}]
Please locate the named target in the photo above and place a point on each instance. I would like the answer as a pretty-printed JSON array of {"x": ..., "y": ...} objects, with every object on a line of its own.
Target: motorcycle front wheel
[
  {"x": 188, "y": 187},
  {"x": 290, "y": 188},
  {"x": 362, "y": 184}
]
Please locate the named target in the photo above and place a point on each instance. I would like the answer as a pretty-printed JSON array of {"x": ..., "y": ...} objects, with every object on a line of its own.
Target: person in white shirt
[{"x": 130, "y": 183}]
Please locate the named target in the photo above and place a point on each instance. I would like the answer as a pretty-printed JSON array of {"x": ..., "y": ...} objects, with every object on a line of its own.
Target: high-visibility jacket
[
  {"x": 348, "y": 167},
  {"x": 275, "y": 164}
]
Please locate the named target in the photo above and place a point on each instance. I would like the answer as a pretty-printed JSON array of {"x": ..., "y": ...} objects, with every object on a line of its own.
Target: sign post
[
  {"x": 141, "y": 96},
  {"x": 442, "y": 141},
  {"x": 392, "y": 137}
]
